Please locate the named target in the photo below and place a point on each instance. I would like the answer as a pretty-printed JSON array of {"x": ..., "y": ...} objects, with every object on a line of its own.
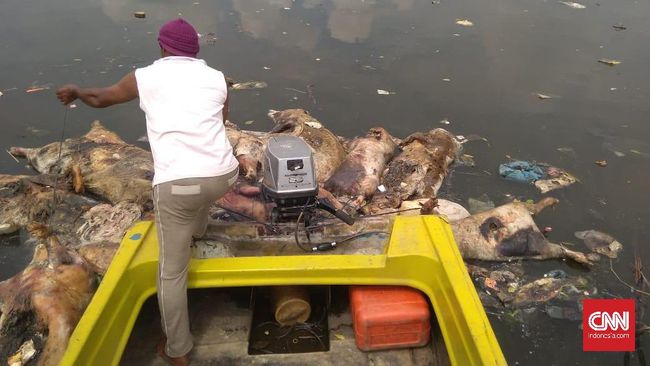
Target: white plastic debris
[
  {"x": 573, "y": 5},
  {"x": 544, "y": 96},
  {"x": 609, "y": 62},
  {"x": 446, "y": 79},
  {"x": 445, "y": 121},
  {"x": 384, "y": 92},
  {"x": 25, "y": 353},
  {"x": 464, "y": 22},
  {"x": 267, "y": 68},
  {"x": 381, "y": 188}
]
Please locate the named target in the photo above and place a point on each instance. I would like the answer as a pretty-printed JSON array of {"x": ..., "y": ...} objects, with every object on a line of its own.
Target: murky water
[{"x": 330, "y": 57}]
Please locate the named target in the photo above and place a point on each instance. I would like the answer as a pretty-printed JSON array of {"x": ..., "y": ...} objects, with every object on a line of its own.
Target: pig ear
[
  {"x": 375, "y": 133},
  {"x": 285, "y": 127},
  {"x": 101, "y": 135}
]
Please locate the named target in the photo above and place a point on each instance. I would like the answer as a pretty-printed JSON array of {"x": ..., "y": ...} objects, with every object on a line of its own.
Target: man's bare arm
[{"x": 123, "y": 91}]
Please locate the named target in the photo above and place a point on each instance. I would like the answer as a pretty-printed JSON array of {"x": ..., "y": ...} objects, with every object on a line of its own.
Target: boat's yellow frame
[{"x": 421, "y": 254}]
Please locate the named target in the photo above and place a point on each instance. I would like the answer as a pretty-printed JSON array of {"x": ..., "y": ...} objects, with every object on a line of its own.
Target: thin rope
[{"x": 58, "y": 162}]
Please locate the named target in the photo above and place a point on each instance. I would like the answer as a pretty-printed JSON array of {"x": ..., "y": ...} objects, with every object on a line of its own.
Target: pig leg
[{"x": 535, "y": 208}]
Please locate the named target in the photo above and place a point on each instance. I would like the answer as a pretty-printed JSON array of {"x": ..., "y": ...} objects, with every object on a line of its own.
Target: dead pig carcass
[
  {"x": 45, "y": 300},
  {"x": 109, "y": 167},
  {"x": 509, "y": 232},
  {"x": 360, "y": 173}
]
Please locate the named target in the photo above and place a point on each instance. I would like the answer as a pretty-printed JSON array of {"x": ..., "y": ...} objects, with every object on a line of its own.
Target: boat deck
[{"x": 221, "y": 323}]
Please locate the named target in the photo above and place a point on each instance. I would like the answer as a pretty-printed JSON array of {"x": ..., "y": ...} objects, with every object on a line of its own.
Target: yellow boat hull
[{"x": 421, "y": 254}]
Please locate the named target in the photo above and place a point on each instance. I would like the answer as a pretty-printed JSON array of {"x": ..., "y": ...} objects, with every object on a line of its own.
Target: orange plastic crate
[{"x": 386, "y": 317}]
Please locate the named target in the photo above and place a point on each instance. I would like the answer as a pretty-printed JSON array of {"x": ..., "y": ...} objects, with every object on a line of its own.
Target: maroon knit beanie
[{"x": 179, "y": 38}]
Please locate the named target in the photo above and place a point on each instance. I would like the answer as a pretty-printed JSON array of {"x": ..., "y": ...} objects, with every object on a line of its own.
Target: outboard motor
[{"x": 290, "y": 181}]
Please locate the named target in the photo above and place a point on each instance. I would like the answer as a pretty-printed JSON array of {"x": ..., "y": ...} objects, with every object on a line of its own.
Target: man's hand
[
  {"x": 123, "y": 91},
  {"x": 67, "y": 93}
]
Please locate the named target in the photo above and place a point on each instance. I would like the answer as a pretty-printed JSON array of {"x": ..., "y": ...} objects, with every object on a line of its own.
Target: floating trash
[
  {"x": 464, "y": 22},
  {"x": 609, "y": 62},
  {"x": 249, "y": 85},
  {"x": 25, "y": 353},
  {"x": 249, "y": 122},
  {"x": 543, "y": 96},
  {"x": 384, "y": 92},
  {"x": 35, "y": 89},
  {"x": 600, "y": 242},
  {"x": 466, "y": 160},
  {"x": 573, "y": 5},
  {"x": 601, "y": 163},
  {"x": 545, "y": 177},
  {"x": 445, "y": 121},
  {"x": 140, "y": 14},
  {"x": 479, "y": 204},
  {"x": 556, "y": 273},
  {"x": 619, "y": 27}
]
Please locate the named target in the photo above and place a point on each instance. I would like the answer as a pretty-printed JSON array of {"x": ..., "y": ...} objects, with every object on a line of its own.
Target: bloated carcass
[
  {"x": 508, "y": 232},
  {"x": 418, "y": 171},
  {"x": 45, "y": 301},
  {"x": 360, "y": 173},
  {"x": 100, "y": 162},
  {"x": 327, "y": 148}
]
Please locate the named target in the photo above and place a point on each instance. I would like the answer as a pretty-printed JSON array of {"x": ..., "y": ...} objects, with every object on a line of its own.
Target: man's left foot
[{"x": 174, "y": 361}]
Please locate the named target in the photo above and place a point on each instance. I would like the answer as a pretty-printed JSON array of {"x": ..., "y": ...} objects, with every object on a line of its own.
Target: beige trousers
[{"x": 181, "y": 208}]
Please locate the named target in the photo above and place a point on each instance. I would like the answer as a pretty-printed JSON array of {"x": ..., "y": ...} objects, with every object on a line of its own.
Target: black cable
[
  {"x": 331, "y": 245},
  {"x": 295, "y": 232}
]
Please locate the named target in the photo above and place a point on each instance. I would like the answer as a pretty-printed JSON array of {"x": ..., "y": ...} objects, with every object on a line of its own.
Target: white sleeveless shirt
[{"x": 183, "y": 100}]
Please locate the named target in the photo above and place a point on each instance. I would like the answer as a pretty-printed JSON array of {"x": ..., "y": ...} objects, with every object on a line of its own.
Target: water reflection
[
  {"x": 276, "y": 21},
  {"x": 351, "y": 21}
]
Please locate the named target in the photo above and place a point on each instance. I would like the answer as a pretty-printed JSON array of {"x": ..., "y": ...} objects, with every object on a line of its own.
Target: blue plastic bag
[{"x": 522, "y": 171}]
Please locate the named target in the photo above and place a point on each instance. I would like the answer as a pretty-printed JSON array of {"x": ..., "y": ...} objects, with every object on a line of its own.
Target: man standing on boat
[{"x": 185, "y": 103}]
